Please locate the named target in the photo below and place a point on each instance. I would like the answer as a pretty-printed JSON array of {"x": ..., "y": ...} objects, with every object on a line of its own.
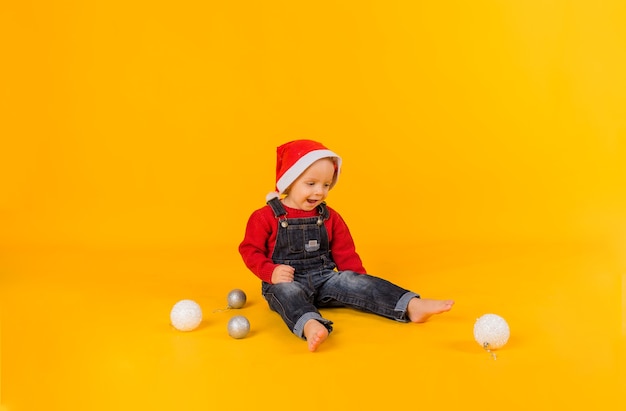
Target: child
[{"x": 304, "y": 254}]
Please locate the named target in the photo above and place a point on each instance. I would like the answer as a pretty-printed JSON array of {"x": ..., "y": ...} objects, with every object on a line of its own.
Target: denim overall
[{"x": 302, "y": 243}]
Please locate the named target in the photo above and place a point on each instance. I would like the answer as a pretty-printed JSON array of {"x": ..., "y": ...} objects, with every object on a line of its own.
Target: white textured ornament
[
  {"x": 238, "y": 327},
  {"x": 491, "y": 332},
  {"x": 236, "y": 298},
  {"x": 186, "y": 315}
]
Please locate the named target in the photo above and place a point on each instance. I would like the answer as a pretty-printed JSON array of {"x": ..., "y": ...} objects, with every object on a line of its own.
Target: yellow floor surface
[{"x": 87, "y": 329}]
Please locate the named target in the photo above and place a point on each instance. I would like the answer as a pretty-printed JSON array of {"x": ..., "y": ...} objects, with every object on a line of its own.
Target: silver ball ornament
[
  {"x": 236, "y": 298},
  {"x": 238, "y": 327},
  {"x": 491, "y": 331},
  {"x": 186, "y": 315}
]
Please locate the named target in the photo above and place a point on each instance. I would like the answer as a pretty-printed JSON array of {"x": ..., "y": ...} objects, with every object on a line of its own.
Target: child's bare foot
[
  {"x": 420, "y": 309},
  {"x": 315, "y": 333}
]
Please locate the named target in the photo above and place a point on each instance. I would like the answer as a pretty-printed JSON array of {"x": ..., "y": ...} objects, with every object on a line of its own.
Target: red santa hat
[{"x": 293, "y": 158}]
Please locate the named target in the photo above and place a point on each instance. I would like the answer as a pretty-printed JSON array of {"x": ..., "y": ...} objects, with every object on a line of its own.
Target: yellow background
[{"x": 484, "y": 148}]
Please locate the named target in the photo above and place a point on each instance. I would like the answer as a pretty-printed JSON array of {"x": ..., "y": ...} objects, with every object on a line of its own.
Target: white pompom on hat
[{"x": 294, "y": 157}]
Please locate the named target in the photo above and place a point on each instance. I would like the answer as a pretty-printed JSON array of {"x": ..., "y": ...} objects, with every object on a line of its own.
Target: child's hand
[{"x": 282, "y": 274}]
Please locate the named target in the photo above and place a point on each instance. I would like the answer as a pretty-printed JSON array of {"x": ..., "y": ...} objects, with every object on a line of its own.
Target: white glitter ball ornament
[
  {"x": 238, "y": 327},
  {"x": 186, "y": 315},
  {"x": 236, "y": 298},
  {"x": 491, "y": 331}
]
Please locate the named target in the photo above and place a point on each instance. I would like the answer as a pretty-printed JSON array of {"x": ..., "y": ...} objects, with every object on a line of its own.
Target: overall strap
[
  {"x": 323, "y": 209},
  {"x": 277, "y": 207}
]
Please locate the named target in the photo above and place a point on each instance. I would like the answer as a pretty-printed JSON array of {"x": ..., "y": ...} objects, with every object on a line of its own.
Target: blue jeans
[{"x": 298, "y": 301}]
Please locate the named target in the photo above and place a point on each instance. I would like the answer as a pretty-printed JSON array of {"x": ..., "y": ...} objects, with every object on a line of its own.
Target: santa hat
[{"x": 293, "y": 158}]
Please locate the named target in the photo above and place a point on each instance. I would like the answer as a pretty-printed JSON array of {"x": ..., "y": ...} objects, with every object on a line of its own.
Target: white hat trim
[{"x": 302, "y": 164}]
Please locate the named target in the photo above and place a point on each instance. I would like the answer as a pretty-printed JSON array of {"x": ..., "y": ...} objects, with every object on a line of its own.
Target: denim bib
[{"x": 301, "y": 242}]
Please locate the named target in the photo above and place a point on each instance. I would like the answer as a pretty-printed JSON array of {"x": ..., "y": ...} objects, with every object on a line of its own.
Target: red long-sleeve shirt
[{"x": 258, "y": 244}]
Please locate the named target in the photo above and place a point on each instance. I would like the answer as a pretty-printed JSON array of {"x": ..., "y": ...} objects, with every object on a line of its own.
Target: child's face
[{"x": 312, "y": 187}]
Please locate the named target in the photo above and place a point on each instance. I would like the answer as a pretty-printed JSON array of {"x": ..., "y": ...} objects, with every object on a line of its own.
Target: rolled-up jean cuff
[
  {"x": 403, "y": 303},
  {"x": 298, "y": 329}
]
